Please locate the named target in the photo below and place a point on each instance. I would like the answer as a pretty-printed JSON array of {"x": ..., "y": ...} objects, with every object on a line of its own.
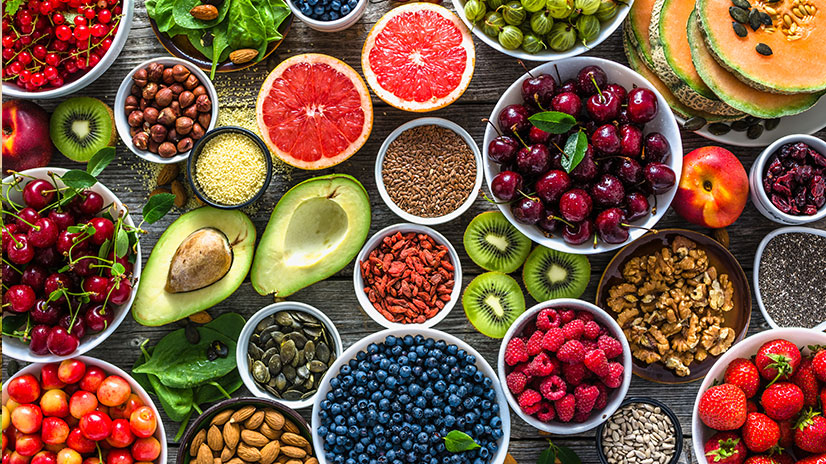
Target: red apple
[
  {"x": 26, "y": 140},
  {"x": 713, "y": 188}
]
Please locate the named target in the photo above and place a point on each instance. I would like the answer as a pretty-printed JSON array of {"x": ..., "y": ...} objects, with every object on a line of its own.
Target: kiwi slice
[
  {"x": 494, "y": 244},
  {"x": 492, "y": 301},
  {"x": 550, "y": 274},
  {"x": 81, "y": 126}
]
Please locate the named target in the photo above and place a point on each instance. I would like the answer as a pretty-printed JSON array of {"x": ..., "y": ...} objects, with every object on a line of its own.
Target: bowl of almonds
[{"x": 242, "y": 430}]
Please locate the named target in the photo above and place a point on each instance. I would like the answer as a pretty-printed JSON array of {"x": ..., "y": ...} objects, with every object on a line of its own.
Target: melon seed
[
  {"x": 754, "y": 131},
  {"x": 719, "y": 128},
  {"x": 741, "y": 125},
  {"x": 739, "y": 14},
  {"x": 771, "y": 124},
  {"x": 754, "y": 20},
  {"x": 771, "y": 10},
  {"x": 763, "y": 49},
  {"x": 695, "y": 123},
  {"x": 744, "y": 4},
  {"x": 787, "y": 20},
  {"x": 739, "y": 29},
  {"x": 796, "y": 12}
]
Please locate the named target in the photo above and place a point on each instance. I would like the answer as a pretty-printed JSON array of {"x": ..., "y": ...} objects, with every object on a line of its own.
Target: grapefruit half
[
  {"x": 314, "y": 111},
  {"x": 418, "y": 57}
]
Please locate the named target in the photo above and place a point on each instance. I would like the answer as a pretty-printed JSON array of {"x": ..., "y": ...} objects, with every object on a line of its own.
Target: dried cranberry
[
  {"x": 810, "y": 210},
  {"x": 818, "y": 159},
  {"x": 802, "y": 174},
  {"x": 800, "y": 198},
  {"x": 776, "y": 168},
  {"x": 782, "y": 203},
  {"x": 799, "y": 151}
]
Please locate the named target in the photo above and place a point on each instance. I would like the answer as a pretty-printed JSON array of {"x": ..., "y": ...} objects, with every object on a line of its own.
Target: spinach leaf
[
  {"x": 245, "y": 28},
  {"x": 195, "y": 37},
  {"x": 181, "y": 9},
  {"x": 208, "y": 393},
  {"x": 161, "y": 12},
  {"x": 220, "y": 46},
  {"x": 273, "y": 13},
  {"x": 229, "y": 324},
  {"x": 176, "y": 402}
]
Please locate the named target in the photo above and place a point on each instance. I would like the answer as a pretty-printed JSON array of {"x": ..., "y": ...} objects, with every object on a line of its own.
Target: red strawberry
[
  {"x": 823, "y": 398},
  {"x": 744, "y": 374},
  {"x": 783, "y": 458},
  {"x": 529, "y": 398},
  {"x": 782, "y": 401},
  {"x": 723, "y": 407},
  {"x": 725, "y": 448},
  {"x": 819, "y": 365},
  {"x": 597, "y": 362},
  {"x": 806, "y": 380},
  {"x": 777, "y": 360},
  {"x": 592, "y": 330},
  {"x": 819, "y": 459},
  {"x": 516, "y": 351},
  {"x": 535, "y": 343},
  {"x": 610, "y": 345},
  {"x": 546, "y": 319},
  {"x": 786, "y": 433},
  {"x": 553, "y": 388},
  {"x": 765, "y": 460},
  {"x": 811, "y": 432},
  {"x": 565, "y": 408},
  {"x": 760, "y": 433},
  {"x": 553, "y": 340},
  {"x": 516, "y": 382},
  {"x": 572, "y": 352},
  {"x": 574, "y": 329}
]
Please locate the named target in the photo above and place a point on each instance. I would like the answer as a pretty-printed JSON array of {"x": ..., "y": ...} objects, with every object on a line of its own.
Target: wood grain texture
[{"x": 335, "y": 296}]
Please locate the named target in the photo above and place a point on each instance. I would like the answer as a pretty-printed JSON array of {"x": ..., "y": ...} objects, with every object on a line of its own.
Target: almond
[
  {"x": 201, "y": 317},
  {"x": 274, "y": 419},
  {"x": 293, "y": 461},
  {"x": 236, "y": 460},
  {"x": 268, "y": 432},
  {"x": 293, "y": 452},
  {"x": 721, "y": 235},
  {"x": 293, "y": 439},
  {"x": 290, "y": 427},
  {"x": 217, "y": 461},
  {"x": 204, "y": 12},
  {"x": 204, "y": 455},
  {"x": 168, "y": 173},
  {"x": 311, "y": 461},
  {"x": 242, "y": 414},
  {"x": 214, "y": 438},
  {"x": 180, "y": 193},
  {"x": 253, "y": 438},
  {"x": 243, "y": 55},
  {"x": 222, "y": 417},
  {"x": 231, "y": 435},
  {"x": 270, "y": 452},
  {"x": 159, "y": 190},
  {"x": 197, "y": 441},
  {"x": 227, "y": 454},
  {"x": 248, "y": 453},
  {"x": 255, "y": 420}
]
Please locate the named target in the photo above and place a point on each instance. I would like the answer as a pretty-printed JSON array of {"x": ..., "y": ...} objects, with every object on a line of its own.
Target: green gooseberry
[
  {"x": 559, "y": 9},
  {"x": 607, "y": 10},
  {"x": 494, "y": 4},
  {"x": 493, "y": 23},
  {"x": 514, "y": 13},
  {"x": 587, "y": 7},
  {"x": 475, "y": 10},
  {"x": 541, "y": 22},
  {"x": 587, "y": 27},
  {"x": 532, "y": 44},
  {"x": 533, "y": 5},
  {"x": 510, "y": 37},
  {"x": 562, "y": 37}
]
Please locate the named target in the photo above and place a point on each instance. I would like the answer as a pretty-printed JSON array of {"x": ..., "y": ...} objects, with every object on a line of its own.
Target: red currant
[
  {"x": 58, "y": 18},
  {"x": 80, "y": 20},
  {"x": 99, "y": 30},
  {"x": 63, "y": 32},
  {"x": 24, "y": 57},
  {"x": 104, "y": 16},
  {"x": 50, "y": 72},
  {"x": 52, "y": 59},
  {"x": 38, "y": 79},
  {"x": 81, "y": 32}
]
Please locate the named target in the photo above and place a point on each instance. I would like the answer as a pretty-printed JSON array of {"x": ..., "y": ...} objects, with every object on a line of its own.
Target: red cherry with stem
[
  {"x": 642, "y": 105},
  {"x": 74, "y": 241},
  {"x": 534, "y": 160},
  {"x": 19, "y": 298},
  {"x": 503, "y": 149},
  {"x": 528, "y": 210},
  {"x": 57, "y": 281},
  {"x": 568, "y": 103},
  {"x": 549, "y": 222},
  {"x": 577, "y": 234},
  {"x": 98, "y": 318},
  {"x": 48, "y": 257},
  {"x": 606, "y": 140},
  {"x": 91, "y": 203},
  {"x": 60, "y": 342},
  {"x": 83, "y": 264},
  {"x": 96, "y": 287},
  {"x": 74, "y": 325},
  {"x": 45, "y": 312},
  {"x": 38, "y": 193},
  {"x": 636, "y": 206},
  {"x": 119, "y": 290},
  {"x": 575, "y": 205},
  {"x": 19, "y": 250},
  {"x": 63, "y": 219},
  {"x": 552, "y": 185},
  {"x": 8, "y": 231},
  {"x": 539, "y": 90},
  {"x": 43, "y": 234},
  {"x": 603, "y": 106},
  {"x": 608, "y": 191},
  {"x": 513, "y": 119},
  {"x": 123, "y": 260},
  {"x": 610, "y": 226},
  {"x": 590, "y": 79},
  {"x": 628, "y": 170},
  {"x": 26, "y": 218},
  {"x": 630, "y": 140},
  {"x": 506, "y": 185},
  {"x": 38, "y": 343},
  {"x": 104, "y": 230},
  {"x": 537, "y": 135},
  {"x": 567, "y": 86},
  {"x": 656, "y": 148},
  {"x": 660, "y": 177}
]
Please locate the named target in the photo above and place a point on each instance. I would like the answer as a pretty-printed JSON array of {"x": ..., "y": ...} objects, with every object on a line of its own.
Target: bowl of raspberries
[
  {"x": 565, "y": 366},
  {"x": 763, "y": 402}
]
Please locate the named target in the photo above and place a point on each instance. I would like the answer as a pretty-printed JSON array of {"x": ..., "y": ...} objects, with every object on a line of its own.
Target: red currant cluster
[{"x": 47, "y": 43}]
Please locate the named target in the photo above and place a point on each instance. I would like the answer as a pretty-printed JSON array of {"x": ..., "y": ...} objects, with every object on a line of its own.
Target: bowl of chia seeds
[
  {"x": 791, "y": 289},
  {"x": 428, "y": 171}
]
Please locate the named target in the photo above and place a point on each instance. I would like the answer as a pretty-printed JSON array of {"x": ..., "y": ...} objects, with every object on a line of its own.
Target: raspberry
[
  {"x": 548, "y": 318},
  {"x": 542, "y": 366},
  {"x": 553, "y": 388},
  {"x": 523, "y": 368},
  {"x": 589, "y": 345},
  {"x": 614, "y": 377},
  {"x": 610, "y": 345},
  {"x": 565, "y": 408},
  {"x": 546, "y": 413},
  {"x": 592, "y": 330},
  {"x": 602, "y": 399},
  {"x": 535, "y": 343},
  {"x": 516, "y": 351},
  {"x": 586, "y": 396},
  {"x": 584, "y": 316},
  {"x": 571, "y": 352},
  {"x": 553, "y": 340},
  {"x": 574, "y": 374},
  {"x": 533, "y": 409},
  {"x": 516, "y": 382},
  {"x": 597, "y": 362},
  {"x": 529, "y": 398},
  {"x": 566, "y": 316},
  {"x": 574, "y": 329},
  {"x": 581, "y": 416}
]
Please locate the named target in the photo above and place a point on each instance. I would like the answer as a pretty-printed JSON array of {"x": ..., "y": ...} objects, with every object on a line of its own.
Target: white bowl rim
[
  {"x": 123, "y": 92},
  {"x": 331, "y": 26},
  {"x": 756, "y": 269},
  {"x": 17, "y": 350},
  {"x": 110, "y": 369},
  {"x": 750, "y": 343},
  {"x": 358, "y": 281},
  {"x": 758, "y": 170},
  {"x": 246, "y": 333},
  {"x": 427, "y": 121},
  {"x": 481, "y": 363},
  {"x": 614, "y": 403},
  {"x": 669, "y": 129}
]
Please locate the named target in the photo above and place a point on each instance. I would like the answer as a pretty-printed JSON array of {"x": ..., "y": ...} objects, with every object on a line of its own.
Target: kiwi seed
[
  {"x": 494, "y": 244},
  {"x": 550, "y": 274},
  {"x": 492, "y": 301}
]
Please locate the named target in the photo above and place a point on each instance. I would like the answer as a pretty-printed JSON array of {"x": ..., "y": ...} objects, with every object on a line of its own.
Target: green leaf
[
  {"x": 157, "y": 207},
  {"x": 118, "y": 269},
  {"x": 176, "y": 402},
  {"x": 105, "y": 248},
  {"x": 102, "y": 158},
  {"x": 457, "y": 441},
  {"x": 229, "y": 324},
  {"x": 13, "y": 322},
  {"x": 574, "y": 151},
  {"x": 548, "y": 456},
  {"x": 121, "y": 243},
  {"x": 78, "y": 180},
  {"x": 567, "y": 456},
  {"x": 74, "y": 229},
  {"x": 208, "y": 393},
  {"x": 56, "y": 294},
  {"x": 11, "y": 7},
  {"x": 553, "y": 122}
]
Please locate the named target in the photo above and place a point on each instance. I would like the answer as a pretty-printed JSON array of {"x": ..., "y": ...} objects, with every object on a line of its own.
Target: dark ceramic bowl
[
  {"x": 235, "y": 403},
  {"x": 196, "y": 152},
  {"x": 678, "y": 431},
  {"x": 719, "y": 257}
]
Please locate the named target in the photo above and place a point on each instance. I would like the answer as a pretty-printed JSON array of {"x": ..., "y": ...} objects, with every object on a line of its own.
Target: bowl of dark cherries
[{"x": 582, "y": 155}]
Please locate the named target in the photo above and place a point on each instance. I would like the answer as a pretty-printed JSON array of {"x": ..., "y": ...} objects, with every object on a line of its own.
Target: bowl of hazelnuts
[{"x": 163, "y": 106}]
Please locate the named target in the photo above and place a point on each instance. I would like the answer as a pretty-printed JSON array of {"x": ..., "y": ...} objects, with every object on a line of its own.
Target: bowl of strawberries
[{"x": 763, "y": 402}]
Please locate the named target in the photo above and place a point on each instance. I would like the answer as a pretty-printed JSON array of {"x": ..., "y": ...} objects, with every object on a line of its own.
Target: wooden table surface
[{"x": 127, "y": 177}]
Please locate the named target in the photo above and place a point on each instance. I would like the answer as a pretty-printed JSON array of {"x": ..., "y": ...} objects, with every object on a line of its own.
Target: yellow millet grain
[{"x": 230, "y": 169}]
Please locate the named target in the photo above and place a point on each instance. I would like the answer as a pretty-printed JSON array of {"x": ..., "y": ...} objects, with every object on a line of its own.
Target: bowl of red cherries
[
  {"x": 582, "y": 155},
  {"x": 71, "y": 262}
]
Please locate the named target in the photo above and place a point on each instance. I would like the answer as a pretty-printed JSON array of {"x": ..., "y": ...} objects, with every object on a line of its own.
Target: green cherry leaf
[
  {"x": 121, "y": 243},
  {"x": 548, "y": 456},
  {"x": 567, "y": 456},
  {"x": 157, "y": 207},
  {"x": 574, "y": 151},
  {"x": 553, "y": 122},
  {"x": 78, "y": 180},
  {"x": 118, "y": 269},
  {"x": 457, "y": 441},
  {"x": 102, "y": 158}
]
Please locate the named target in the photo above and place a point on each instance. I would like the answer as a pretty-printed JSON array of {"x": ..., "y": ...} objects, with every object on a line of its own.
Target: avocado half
[
  {"x": 315, "y": 230},
  {"x": 154, "y": 305}
]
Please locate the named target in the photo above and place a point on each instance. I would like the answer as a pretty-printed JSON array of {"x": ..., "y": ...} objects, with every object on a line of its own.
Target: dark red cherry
[
  {"x": 657, "y": 148},
  {"x": 528, "y": 210},
  {"x": 104, "y": 230},
  {"x": 119, "y": 290},
  {"x": 91, "y": 203},
  {"x": 26, "y": 218},
  {"x": 48, "y": 257},
  {"x": 19, "y": 298},
  {"x": 74, "y": 325},
  {"x": 577, "y": 234},
  {"x": 587, "y": 169},
  {"x": 608, "y": 191},
  {"x": 34, "y": 276},
  {"x": 534, "y": 160},
  {"x": 617, "y": 90},
  {"x": 47, "y": 313},
  {"x": 55, "y": 282},
  {"x": 610, "y": 227},
  {"x": 660, "y": 177},
  {"x": 575, "y": 205},
  {"x": 98, "y": 318},
  {"x": 636, "y": 206},
  {"x": 567, "y": 102},
  {"x": 603, "y": 107},
  {"x": 539, "y": 90},
  {"x": 503, "y": 149},
  {"x": 19, "y": 250},
  {"x": 83, "y": 263},
  {"x": 567, "y": 86},
  {"x": 39, "y": 335},
  {"x": 628, "y": 170},
  {"x": 552, "y": 185},
  {"x": 537, "y": 135},
  {"x": 96, "y": 287},
  {"x": 549, "y": 223},
  {"x": 74, "y": 241},
  {"x": 60, "y": 342},
  {"x": 590, "y": 80},
  {"x": 10, "y": 275},
  {"x": 630, "y": 140},
  {"x": 642, "y": 105},
  {"x": 513, "y": 119},
  {"x": 506, "y": 185},
  {"x": 606, "y": 140},
  {"x": 38, "y": 194},
  {"x": 62, "y": 219},
  {"x": 43, "y": 234}
]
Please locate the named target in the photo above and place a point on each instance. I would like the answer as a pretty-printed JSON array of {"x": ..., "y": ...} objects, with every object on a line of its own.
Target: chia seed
[{"x": 792, "y": 279}]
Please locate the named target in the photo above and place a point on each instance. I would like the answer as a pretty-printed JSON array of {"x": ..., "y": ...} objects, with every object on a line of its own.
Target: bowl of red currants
[
  {"x": 71, "y": 263},
  {"x": 53, "y": 48},
  {"x": 582, "y": 155}
]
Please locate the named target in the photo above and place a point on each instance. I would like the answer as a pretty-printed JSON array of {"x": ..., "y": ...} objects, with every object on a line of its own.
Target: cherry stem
[
  {"x": 561, "y": 220},
  {"x": 524, "y": 67},
  {"x": 17, "y": 244},
  {"x": 10, "y": 265},
  {"x": 528, "y": 196},
  {"x": 558, "y": 76},
  {"x": 601, "y": 97},
  {"x": 630, "y": 226},
  {"x": 492, "y": 201},
  {"x": 23, "y": 220},
  {"x": 492, "y": 125},
  {"x": 520, "y": 139}
]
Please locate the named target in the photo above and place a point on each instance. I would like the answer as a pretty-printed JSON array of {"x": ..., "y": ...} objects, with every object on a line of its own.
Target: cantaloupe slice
[
  {"x": 736, "y": 93},
  {"x": 798, "y": 61},
  {"x": 639, "y": 19}
]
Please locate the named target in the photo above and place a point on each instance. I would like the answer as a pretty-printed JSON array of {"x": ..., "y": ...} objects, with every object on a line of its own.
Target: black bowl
[{"x": 678, "y": 431}]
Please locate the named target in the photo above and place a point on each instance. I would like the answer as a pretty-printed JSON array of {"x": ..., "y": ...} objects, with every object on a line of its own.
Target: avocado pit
[{"x": 203, "y": 258}]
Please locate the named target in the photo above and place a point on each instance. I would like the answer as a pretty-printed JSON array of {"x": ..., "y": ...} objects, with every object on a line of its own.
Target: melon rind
[{"x": 637, "y": 18}]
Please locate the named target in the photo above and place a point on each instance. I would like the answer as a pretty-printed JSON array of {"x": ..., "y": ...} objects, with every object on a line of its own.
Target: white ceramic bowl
[
  {"x": 124, "y": 91},
  {"x": 605, "y": 31},
  {"x": 616, "y": 397},
  {"x": 756, "y": 269},
  {"x": 379, "y": 337},
  {"x": 663, "y": 123},
  {"x": 19, "y": 350},
  {"x": 330, "y": 26},
  {"x": 747, "y": 348},
  {"x": 477, "y": 184},
  {"x": 758, "y": 193},
  {"x": 13, "y": 91},
  {"x": 374, "y": 241},
  {"x": 109, "y": 369},
  {"x": 244, "y": 339}
]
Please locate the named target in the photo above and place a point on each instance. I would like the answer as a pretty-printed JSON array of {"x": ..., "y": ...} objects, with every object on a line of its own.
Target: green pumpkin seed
[
  {"x": 288, "y": 351},
  {"x": 322, "y": 352},
  {"x": 289, "y": 372},
  {"x": 763, "y": 49},
  {"x": 719, "y": 128},
  {"x": 281, "y": 382},
  {"x": 318, "y": 367},
  {"x": 308, "y": 394},
  {"x": 739, "y": 29},
  {"x": 754, "y": 131},
  {"x": 274, "y": 364},
  {"x": 695, "y": 123},
  {"x": 260, "y": 372},
  {"x": 309, "y": 351},
  {"x": 771, "y": 124},
  {"x": 738, "y": 14},
  {"x": 292, "y": 395}
]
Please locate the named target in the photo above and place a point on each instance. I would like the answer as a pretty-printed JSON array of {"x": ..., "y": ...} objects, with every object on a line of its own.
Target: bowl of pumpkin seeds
[{"x": 285, "y": 350}]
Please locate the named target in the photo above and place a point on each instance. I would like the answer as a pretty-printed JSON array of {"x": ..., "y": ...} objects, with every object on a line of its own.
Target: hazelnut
[
  {"x": 164, "y": 97},
  {"x": 141, "y": 140},
  {"x": 150, "y": 115},
  {"x": 158, "y": 133},
  {"x": 176, "y": 88},
  {"x": 167, "y": 77},
  {"x": 191, "y": 82},
  {"x": 198, "y": 91},
  {"x": 153, "y": 146},
  {"x": 133, "y": 131},
  {"x": 130, "y": 105},
  {"x": 180, "y": 73},
  {"x": 185, "y": 145},
  {"x": 183, "y": 125},
  {"x": 191, "y": 112},
  {"x": 167, "y": 150},
  {"x": 150, "y": 90},
  {"x": 140, "y": 77},
  {"x": 197, "y": 131},
  {"x": 203, "y": 103},
  {"x": 176, "y": 107},
  {"x": 135, "y": 91},
  {"x": 135, "y": 118},
  {"x": 203, "y": 119},
  {"x": 186, "y": 98},
  {"x": 173, "y": 136},
  {"x": 143, "y": 104},
  {"x": 167, "y": 117},
  {"x": 154, "y": 72}
]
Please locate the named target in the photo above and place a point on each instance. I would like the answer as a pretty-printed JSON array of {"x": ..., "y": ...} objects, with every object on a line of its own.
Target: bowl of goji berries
[
  {"x": 407, "y": 275},
  {"x": 565, "y": 366}
]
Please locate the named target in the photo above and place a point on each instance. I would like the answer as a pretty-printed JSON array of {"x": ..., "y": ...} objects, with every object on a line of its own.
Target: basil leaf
[
  {"x": 102, "y": 158},
  {"x": 121, "y": 243},
  {"x": 78, "y": 180},
  {"x": 157, "y": 207},
  {"x": 553, "y": 122},
  {"x": 574, "y": 151},
  {"x": 457, "y": 441},
  {"x": 567, "y": 456}
]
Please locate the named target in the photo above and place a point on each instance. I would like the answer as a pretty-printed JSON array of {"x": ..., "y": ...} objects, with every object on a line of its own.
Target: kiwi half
[
  {"x": 81, "y": 126},
  {"x": 550, "y": 274},
  {"x": 492, "y": 301},
  {"x": 494, "y": 244}
]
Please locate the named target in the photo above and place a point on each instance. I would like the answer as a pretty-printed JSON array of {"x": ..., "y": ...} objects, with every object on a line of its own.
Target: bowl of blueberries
[
  {"x": 328, "y": 15},
  {"x": 399, "y": 393}
]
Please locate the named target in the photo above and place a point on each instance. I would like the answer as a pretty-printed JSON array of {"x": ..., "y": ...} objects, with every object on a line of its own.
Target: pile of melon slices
[{"x": 690, "y": 51}]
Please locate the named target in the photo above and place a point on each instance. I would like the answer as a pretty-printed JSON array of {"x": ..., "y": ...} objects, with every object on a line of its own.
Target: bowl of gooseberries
[
  {"x": 582, "y": 155},
  {"x": 542, "y": 30},
  {"x": 71, "y": 263}
]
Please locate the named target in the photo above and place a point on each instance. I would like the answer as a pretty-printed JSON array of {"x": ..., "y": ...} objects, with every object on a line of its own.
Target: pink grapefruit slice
[
  {"x": 314, "y": 111},
  {"x": 418, "y": 57}
]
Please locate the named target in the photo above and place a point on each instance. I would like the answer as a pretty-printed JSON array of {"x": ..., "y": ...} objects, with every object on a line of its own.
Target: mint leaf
[
  {"x": 553, "y": 122},
  {"x": 574, "y": 151},
  {"x": 157, "y": 207},
  {"x": 78, "y": 180},
  {"x": 102, "y": 158},
  {"x": 457, "y": 441}
]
